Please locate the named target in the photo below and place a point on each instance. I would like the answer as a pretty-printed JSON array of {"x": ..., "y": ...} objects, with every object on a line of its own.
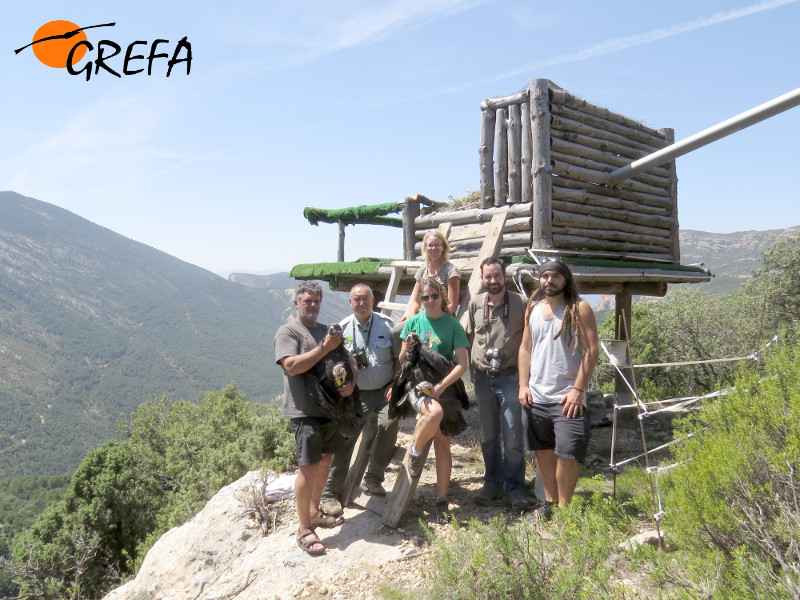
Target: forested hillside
[{"x": 92, "y": 324}]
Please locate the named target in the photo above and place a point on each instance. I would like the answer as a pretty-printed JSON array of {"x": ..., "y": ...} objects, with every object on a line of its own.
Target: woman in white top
[{"x": 435, "y": 251}]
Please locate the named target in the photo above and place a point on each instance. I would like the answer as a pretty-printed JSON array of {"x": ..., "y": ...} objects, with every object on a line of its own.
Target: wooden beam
[
  {"x": 340, "y": 254},
  {"x": 445, "y": 228},
  {"x": 399, "y": 498},
  {"x": 360, "y": 457},
  {"x": 564, "y": 98},
  {"x": 506, "y": 101},
  {"x": 470, "y": 216},
  {"x": 491, "y": 247},
  {"x": 486, "y": 154},
  {"x": 622, "y": 331},
  {"x": 527, "y": 154},
  {"x": 542, "y": 188},
  {"x": 673, "y": 194},
  {"x": 410, "y": 213},
  {"x": 501, "y": 158},
  {"x": 514, "y": 155},
  {"x": 632, "y": 130}
]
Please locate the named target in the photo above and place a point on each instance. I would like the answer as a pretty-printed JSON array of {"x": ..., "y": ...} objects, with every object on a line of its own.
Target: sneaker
[
  {"x": 487, "y": 494},
  {"x": 415, "y": 465},
  {"x": 373, "y": 488},
  {"x": 331, "y": 506},
  {"x": 518, "y": 501}
]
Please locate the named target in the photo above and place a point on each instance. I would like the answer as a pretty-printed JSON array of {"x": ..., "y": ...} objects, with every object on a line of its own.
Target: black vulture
[
  {"x": 422, "y": 368},
  {"x": 323, "y": 381}
]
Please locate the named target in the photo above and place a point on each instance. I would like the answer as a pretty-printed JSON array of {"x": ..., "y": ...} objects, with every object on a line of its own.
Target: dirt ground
[{"x": 406, "y": 548}]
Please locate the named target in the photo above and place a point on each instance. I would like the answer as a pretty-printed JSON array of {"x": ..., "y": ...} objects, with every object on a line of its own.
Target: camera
[
  {"x": 494, "y": 355},
  {"x": 360, "y": 354}
]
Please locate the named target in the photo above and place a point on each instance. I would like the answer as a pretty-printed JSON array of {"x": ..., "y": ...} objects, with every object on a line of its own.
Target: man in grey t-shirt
[{"x": 299, "y": 345}]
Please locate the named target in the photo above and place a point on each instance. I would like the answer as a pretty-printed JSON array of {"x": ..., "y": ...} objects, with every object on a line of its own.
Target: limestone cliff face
[
  {"x": 731, "y": 257},
  {"x": 222, "y": 554}
]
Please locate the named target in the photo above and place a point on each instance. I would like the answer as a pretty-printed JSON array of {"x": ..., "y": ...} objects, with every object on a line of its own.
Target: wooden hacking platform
[{"x": 546, "y": 159}]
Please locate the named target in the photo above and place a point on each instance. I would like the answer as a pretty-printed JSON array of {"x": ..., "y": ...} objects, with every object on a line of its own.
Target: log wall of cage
[{"x": 550, "y": 153}]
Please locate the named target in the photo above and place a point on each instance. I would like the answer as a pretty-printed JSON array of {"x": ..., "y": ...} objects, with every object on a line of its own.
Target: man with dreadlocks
[{"x": 557, "y": 357}]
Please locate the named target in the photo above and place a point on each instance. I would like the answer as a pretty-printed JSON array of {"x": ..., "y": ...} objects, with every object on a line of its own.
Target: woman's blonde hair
[
  {"x": 433, "y": 285},
  {"x": 446, "y": 247}
]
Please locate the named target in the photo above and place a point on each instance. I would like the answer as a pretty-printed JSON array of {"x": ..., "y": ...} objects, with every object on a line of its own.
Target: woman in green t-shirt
[{"x": 443, "y": 333}]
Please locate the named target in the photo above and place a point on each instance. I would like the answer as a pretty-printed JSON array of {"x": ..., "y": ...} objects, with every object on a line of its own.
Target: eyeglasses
[{"x": 429, "y": 297}]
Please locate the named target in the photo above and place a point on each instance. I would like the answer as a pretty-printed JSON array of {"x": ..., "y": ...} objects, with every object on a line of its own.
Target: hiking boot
[
  {"x": 543, "y": 512},
  {"x": 331, "y": 506},
  {"x": 441, "y": 509},
  {"x": 415, "y": 465},
  {"x": 518, "y": 501},
  {"x": 487, "y": 494},
  {"x": 373, "y": 488}
]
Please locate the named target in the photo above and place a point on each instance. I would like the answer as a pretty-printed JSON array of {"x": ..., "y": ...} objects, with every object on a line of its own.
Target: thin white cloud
[
  {"x": 97, "y": 142},
  {"x": 639, "y": 39},
  {"x": 296, "y": 33},
  {"x": 615, "y": 45},
  {"x": 378, "y": 23}
]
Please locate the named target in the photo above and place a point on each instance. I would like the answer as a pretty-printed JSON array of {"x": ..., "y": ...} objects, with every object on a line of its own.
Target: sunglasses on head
[{"x": 427, "y": 297}]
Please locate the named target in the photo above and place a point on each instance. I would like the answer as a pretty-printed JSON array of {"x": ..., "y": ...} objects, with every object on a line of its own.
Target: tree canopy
[{"x": 170, "y": 458}]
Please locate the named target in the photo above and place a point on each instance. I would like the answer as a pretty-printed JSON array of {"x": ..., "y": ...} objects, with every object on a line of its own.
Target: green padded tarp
[
  {"x": 326, "y": 270},
  {"x": 355, "y": 215}
]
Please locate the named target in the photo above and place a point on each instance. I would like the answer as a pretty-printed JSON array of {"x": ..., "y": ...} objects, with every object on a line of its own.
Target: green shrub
[
  {"x": 736, "y": 492},
  {"x": 171, "y": 458},
  {"x": 516, "y": 561}
]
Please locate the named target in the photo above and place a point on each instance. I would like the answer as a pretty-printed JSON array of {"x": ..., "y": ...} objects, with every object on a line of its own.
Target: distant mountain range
[
  {"x": 731, "y": 257},
  {"x": 92, "y": 324}
]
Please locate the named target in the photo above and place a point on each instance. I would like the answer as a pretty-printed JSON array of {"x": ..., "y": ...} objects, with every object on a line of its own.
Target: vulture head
[{"x": 323, "y": 381}]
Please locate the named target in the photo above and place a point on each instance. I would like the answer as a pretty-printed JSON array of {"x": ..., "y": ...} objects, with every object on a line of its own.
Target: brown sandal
[
  {"x": 307, "y": 539},
  {"x": 323, "y": 519}
]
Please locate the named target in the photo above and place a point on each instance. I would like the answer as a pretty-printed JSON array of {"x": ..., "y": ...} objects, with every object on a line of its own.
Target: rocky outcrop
[{"x": 221, "y": 553}]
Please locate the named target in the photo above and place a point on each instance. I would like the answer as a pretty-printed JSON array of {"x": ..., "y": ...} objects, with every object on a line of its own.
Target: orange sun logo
[
  {"x": 53, "y": 41},
  {"x": 62, "y": 44}
]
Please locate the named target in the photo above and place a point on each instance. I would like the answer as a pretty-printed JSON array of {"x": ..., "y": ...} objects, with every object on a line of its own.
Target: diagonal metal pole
[{"x": 712, "y": 134}]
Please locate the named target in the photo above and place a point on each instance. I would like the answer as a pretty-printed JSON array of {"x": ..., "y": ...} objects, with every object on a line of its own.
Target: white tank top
[{"x": 553, "y": 366}]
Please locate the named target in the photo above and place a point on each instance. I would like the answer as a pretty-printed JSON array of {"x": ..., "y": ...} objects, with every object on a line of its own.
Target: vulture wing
[{"x": 426, "y": 365}]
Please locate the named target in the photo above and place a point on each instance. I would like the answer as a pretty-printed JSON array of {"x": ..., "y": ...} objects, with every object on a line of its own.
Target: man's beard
[
  {"x": 306, "y": 314},
  {"x": 553, "y": 291},
  {"x": 495, "y": 288}
]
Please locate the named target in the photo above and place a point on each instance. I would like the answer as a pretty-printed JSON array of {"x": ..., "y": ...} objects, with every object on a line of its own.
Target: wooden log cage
[{"x": 545, "y": 156}]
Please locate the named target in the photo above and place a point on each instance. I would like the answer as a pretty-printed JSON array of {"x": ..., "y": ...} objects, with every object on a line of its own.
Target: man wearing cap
[
  {"x": 557, "y": 357},
  {"x": 495, "y": 322}
]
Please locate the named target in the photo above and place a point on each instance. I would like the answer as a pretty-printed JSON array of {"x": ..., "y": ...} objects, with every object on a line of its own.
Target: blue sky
[{"x": 340, "y": 103}]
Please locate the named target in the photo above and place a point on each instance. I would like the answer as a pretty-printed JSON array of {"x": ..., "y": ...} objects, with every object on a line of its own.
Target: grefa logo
[{"x": 62, "y": 44}]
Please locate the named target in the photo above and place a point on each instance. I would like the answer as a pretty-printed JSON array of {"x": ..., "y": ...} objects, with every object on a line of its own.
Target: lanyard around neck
[
  {"x": 369, "y": 331},
  {"x": 486, "y": 309}
]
